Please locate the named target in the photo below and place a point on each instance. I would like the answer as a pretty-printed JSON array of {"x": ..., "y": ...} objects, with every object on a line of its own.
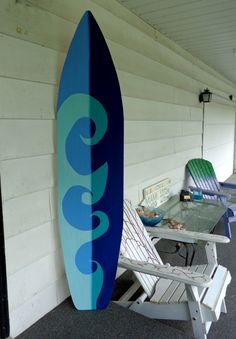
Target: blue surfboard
[{"x": 90, "y": 167}]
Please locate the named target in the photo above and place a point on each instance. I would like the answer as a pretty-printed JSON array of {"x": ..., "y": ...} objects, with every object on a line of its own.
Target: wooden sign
[{"x": 156, "y": 194}]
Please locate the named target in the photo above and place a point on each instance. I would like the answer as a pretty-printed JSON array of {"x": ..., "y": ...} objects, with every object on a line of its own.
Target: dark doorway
[{"x": 4, "y": 315}]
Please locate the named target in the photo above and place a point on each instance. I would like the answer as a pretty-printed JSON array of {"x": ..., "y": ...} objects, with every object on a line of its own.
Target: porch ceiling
[{"x": 205, "y": 28}]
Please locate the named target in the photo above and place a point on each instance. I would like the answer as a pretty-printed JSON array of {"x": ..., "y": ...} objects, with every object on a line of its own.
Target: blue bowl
[{"x": 151, "y": 221}]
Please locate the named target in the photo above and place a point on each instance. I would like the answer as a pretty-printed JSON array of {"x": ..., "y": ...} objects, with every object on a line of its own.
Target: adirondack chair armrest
[
  {"x": 211, "y": 193},
  {"x": 229, "y": 188},
  {"x": 166, "y": 271},
  {"x": 185, "y": 236},
  {"x": 227, "y": 185}
]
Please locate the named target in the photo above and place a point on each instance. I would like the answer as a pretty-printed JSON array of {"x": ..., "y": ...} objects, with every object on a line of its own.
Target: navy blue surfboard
[{"x": 90, "y": 167}]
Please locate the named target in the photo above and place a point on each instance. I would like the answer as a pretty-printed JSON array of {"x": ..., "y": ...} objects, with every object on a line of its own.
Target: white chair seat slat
[
  {"x": 165, "y": 290},
  {"x": 169, "y": 292},
  {"x": 209, "y": 270},
  {"x": 162, "y": 286},
  {"x": 174, "y": 292},
  {"x": 199, "y": 269},
  {"x": 176, "y": 296}
]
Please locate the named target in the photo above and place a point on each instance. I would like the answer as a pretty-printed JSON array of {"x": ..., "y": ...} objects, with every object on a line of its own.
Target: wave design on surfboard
[{"x": 77, "y": 200}]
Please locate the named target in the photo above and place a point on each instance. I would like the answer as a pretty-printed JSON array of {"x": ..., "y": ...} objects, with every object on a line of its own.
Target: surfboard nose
[{"x": 88, "y": 17}]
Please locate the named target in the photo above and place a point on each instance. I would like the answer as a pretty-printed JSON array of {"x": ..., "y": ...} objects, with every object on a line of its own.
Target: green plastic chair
[{"x": 204, "y": 177}]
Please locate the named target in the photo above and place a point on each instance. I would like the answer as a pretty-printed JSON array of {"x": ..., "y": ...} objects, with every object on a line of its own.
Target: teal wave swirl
[{"x": 83, "y": 128}]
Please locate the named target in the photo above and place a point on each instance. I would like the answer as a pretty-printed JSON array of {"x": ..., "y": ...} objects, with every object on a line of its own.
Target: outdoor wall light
[{"x": 205, "y": 96}]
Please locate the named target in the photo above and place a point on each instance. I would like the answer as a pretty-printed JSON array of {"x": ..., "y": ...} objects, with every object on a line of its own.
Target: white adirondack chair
[{"x": 193, "y": 293}]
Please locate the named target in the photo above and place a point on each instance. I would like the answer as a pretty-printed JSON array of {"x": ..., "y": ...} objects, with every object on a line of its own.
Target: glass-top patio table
[{"x": 196, "y": 216}]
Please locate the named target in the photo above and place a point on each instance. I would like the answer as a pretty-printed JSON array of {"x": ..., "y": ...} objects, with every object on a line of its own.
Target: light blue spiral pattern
[{"x": 84, "y": 126}]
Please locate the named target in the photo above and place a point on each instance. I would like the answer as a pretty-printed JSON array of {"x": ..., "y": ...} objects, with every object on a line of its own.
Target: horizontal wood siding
[
  {"x": 219, "y": 138},
  {"x": 160, "y": 83}
]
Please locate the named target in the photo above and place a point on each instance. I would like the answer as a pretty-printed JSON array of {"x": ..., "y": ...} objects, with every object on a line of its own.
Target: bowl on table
[{"x": 150, "y": 217}]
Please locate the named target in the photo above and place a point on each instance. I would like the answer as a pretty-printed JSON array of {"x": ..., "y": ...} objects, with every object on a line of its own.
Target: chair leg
[
  {"x": 223, "y": 307},
  {"x": 199, "y": 328},
  {"x": 227, "y": 225}
]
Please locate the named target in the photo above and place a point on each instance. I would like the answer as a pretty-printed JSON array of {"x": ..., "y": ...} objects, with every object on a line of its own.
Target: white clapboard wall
[
  {"x": 219, "y": 138},
  {"x": 160, "y": 83}
]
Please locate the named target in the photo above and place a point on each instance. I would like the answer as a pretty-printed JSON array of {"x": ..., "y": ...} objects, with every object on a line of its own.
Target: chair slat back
[
  {"x": 136, "y": 244},
  {"x": 203, "y": 174}
]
